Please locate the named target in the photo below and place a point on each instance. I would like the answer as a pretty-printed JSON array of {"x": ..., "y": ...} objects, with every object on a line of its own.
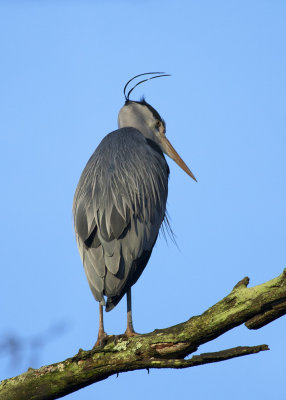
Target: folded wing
[{"x": 118, "y": 208}]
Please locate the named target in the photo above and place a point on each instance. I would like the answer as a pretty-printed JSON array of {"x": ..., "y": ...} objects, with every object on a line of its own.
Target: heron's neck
[{"x": 138, "y": 124}]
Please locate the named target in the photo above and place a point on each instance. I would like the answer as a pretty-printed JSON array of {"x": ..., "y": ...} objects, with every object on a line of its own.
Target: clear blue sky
[{"x": 63, "y": 66}]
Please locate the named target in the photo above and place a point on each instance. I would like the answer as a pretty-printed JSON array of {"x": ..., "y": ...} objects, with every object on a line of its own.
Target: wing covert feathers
[{"x": 118, "y": 208}]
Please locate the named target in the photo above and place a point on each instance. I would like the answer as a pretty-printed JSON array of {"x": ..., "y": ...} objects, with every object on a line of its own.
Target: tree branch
[{"x": 164, "y": 348}]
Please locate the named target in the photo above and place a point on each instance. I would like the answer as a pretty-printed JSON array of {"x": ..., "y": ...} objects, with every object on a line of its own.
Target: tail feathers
[{"x": 113, "y": 301}]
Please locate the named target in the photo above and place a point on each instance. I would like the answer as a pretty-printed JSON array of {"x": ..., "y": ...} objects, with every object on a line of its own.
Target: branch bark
[{"x": 164, "y": 348}]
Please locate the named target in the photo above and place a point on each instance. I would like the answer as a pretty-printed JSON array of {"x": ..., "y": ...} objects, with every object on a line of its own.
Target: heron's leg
[
  {"x": 101, "y": 334},
  {"x": 129, "y": 330}
]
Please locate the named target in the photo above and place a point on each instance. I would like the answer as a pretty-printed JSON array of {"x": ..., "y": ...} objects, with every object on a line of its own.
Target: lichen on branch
[{"x": 164, "y": 348}]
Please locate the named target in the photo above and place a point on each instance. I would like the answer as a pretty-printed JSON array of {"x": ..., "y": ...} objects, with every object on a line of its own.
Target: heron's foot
[
  {"x": 130, "y": 332},
  {"x": 102, "y": 339}
]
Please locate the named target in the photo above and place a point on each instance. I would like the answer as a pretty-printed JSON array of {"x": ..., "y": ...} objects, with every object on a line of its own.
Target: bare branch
[{"x": 164, "y": 348}]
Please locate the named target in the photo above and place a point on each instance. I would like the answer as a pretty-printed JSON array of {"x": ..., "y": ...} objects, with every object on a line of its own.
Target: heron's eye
[{"x": 158, "y": 124}]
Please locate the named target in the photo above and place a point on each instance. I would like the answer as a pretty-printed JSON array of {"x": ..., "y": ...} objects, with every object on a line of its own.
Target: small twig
[{"x": 207, "y": 358}]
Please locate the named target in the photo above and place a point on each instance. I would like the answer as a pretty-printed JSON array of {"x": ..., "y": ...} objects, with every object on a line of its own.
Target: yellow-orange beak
[{"x": 171, "y": 152}]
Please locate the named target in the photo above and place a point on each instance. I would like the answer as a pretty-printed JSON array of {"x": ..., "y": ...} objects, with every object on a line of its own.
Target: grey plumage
[{"x": 118, "y": 208}]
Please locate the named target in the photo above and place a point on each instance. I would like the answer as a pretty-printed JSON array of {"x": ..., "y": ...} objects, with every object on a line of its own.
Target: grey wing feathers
[{"x": 118, "y": 208}]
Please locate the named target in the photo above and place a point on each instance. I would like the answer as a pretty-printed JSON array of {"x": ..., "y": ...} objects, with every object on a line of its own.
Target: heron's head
[{"x": 143, "y": 117}]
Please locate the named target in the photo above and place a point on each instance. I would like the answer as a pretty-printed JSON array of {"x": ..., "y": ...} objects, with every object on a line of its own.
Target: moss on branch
[{"x": 164, "y": 348}]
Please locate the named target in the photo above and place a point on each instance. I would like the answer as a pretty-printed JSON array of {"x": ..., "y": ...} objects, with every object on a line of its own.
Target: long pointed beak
[{"x": 171, "y": 152}]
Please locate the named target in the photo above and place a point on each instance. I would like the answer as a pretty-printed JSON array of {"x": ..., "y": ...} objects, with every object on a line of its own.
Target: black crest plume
[{"x": 161, "y": 74}]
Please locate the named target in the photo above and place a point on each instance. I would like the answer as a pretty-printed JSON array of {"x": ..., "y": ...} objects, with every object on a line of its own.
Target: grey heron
[{"x": 120, "y": 203}]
